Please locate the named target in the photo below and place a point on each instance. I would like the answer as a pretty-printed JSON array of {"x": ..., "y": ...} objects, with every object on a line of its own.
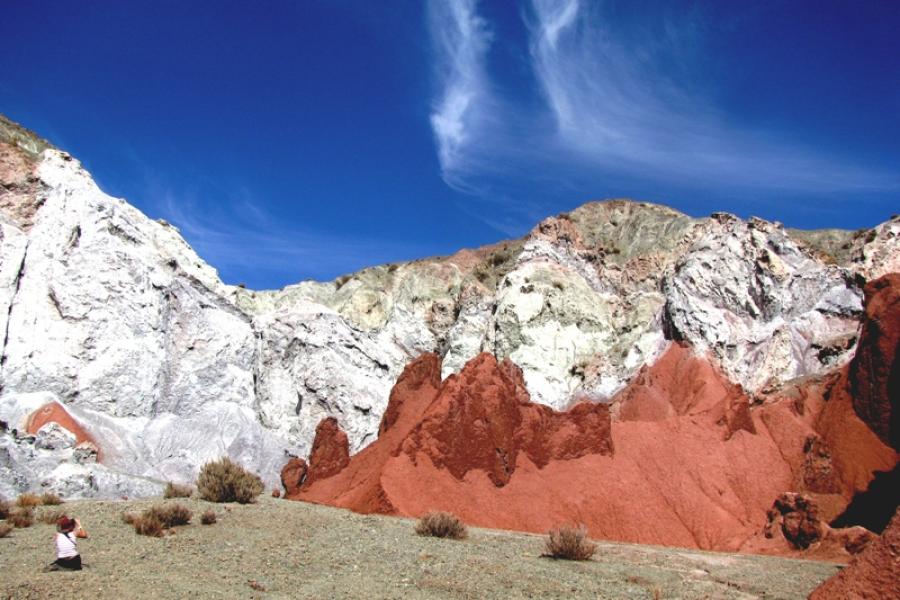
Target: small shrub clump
[
  {"x": 208, "y": 517},
  {"x": 21, "y": 518},
  {"x": 50, "y": 517},
  {"x": 5, "y": 530},
  {"x": 5, "y": 507},
  {"x": 156, "y": 520},
  {"x": 50, "y": 499},
  {"x": 225, "y": 481},
  {"x": 28, "y": 500},
  {"x": 570, "y": 543},
  {"x": 170, "y": 515},
  {"x": 174, "y": 490},
  {"x": 442, "y": 525},
  {"x": 149, "y": 525}
]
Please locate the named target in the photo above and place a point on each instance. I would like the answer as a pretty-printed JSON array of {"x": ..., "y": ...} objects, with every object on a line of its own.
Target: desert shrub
[
  {"x": 50, "y": 517},
  {"x": 570, "y": 543},
  {"x": 170, "y": 515},
  {"x": 174, "y": 490},
  {"x": 225, "y": 481},
  {"x": 208, "y": 517},
  {"x": 5, "y": 530},
  {"x": 50, "y": 499},
  {"x": 276, "y": 493},
  {"x": 28, "y": 500},
  {"x": 5, "y": 507},
  {"x": 442, "y": 525},
  {"x": 147, "y": 524},
  {"x": 22, "y": 517},
  {"x": 129, "y": 517}
]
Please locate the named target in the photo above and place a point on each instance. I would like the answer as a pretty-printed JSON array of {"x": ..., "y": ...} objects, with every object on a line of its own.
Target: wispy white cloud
[
  {"x": 626, "y": 98},
  {"x": 623, "y": 94},
  {"x": 460, "y": 39}
]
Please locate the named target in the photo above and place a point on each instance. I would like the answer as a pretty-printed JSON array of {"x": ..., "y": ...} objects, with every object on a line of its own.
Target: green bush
[{"x": 225, "y": 481}]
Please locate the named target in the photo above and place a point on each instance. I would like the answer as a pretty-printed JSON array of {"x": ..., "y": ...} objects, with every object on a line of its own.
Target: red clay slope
[
  {"x": 694, "y": 465},
  {"x": 874, "y": 574}
]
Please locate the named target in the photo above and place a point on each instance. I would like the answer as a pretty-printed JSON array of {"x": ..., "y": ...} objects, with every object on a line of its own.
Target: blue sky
[{"x": 295, "y": 140}]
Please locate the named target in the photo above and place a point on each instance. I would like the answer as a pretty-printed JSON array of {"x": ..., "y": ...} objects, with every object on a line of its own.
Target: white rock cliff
[{"x": 114, "y": 316}]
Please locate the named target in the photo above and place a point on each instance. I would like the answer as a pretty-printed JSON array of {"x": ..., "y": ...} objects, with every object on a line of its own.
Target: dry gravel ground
[{"x": 284, "y": 549}]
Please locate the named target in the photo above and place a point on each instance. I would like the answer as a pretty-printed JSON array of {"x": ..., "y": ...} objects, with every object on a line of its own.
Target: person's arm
[{"x": 79, "y": 530}]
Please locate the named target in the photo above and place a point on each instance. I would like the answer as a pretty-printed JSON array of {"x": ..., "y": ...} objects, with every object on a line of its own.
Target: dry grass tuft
[
  {"x": 5, "y": 507},
  {"x": 50, "y": 499},
  {"x": 442, "y": 525},
  {"x": 174, "y": 490},
  {"x": 50, "y": 517},
  {"x": 5, "y": 530},
  {"x": 21, "y": 518},
  {"x": 225, "y": 481},
  {"x": 149, "y": 525},
  {"x": 170, "y": 515},
  {"x": 208, "y": 517},
  {"x": 570, "y": 543},
  {"x": 276, "y": 493},
  {"x": 28, "y": 500},
  {"x": 156, "y": 520}
]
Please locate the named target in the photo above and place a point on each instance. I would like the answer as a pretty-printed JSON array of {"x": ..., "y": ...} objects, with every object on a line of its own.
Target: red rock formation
[
  {"x": 293, "y": 474},
  {"x": 874, "y": 573},
  {"x": 875, "y": 370},
  {"x": 694, "y": 463},
  {"x": 797, "y": 518},
  {"x": 330, "y": 451},
  {"x": 482, "y": 419},
  {"x": 54, "y": 412}
]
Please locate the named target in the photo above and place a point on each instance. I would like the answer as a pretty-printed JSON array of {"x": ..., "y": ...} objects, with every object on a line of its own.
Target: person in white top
[{"x": 67, "y": 533}]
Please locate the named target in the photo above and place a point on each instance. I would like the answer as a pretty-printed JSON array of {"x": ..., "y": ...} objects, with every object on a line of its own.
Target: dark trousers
[{"x": 72, "y": 564}]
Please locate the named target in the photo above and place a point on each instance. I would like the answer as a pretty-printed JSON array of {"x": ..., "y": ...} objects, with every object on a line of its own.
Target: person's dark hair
[{"x": 65, "y": 524}]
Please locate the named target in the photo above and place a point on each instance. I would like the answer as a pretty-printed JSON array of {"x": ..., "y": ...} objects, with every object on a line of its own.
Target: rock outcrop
[
  {"x": 705, "y": 468},
  {"x": 875, "y": 370},
  {"x": 114, "y": 318},
  {"x": 875, "y": 573}
]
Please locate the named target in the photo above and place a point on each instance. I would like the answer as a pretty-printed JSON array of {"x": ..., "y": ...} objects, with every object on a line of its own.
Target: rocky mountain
[
  {"x": 126, "y": 361},
  {"x": 691, "y": 459}
]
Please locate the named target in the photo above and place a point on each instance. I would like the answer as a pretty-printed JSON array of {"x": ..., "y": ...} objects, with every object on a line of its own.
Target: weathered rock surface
[
  {"x": 115, "y": 318},
  {"x": 687, "y": 447},
  {"x": 875, "y": 573},
  {"x": 875, "y": 370}
]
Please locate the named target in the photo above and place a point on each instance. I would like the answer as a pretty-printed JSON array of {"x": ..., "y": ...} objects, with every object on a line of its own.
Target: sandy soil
[{"x": 291, "y": 549}]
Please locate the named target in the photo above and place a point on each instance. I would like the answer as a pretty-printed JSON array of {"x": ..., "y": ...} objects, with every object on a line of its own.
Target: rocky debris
[
  {"x": 293, "y": 474},
  {"x": 795, "y": 519},
  {"x": 54, "y": 415},
  {"x": 875, "y": 370},
  {"x": 53, "y": 437},
  {"x": 330, "y": 451},
  {"x": 797, "y": 516},
  {"x": 874, "y": 573}
]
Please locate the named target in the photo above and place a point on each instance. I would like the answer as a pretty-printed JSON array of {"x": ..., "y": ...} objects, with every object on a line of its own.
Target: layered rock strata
[
  {"x": 688, "y": 460},
  {"x": 113, "y": 317}
]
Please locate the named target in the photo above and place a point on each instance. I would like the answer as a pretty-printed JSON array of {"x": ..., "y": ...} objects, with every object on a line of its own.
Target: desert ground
[{"x": 284, "y": 549}]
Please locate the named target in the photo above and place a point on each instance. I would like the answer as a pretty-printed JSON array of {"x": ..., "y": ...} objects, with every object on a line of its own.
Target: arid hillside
[{"x": 282, "y": 549}]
